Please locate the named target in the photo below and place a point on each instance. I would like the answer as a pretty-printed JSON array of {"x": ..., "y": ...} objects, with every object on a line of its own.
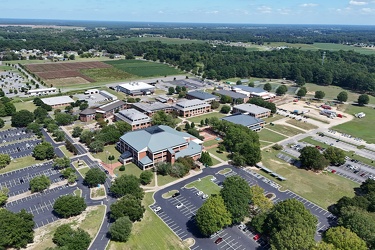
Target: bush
[
  {"x": 277, "y": 147},
  {"x": 146, "y": 177},
  {"x": 225, "y": 109},
  {"x": 122, "y": 168}
]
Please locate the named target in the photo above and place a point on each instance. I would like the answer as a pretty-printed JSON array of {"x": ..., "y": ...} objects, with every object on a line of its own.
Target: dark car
[
  {"x": 22, "y": 181},
  {"x": 106, "y": 171},
  {"x": 218, "y": 240},
  {"x": 176, "y": 194}
]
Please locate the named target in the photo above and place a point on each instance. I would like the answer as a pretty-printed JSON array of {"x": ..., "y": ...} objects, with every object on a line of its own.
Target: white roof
[
  {"x": 57, "y": 100},
  {"x": 136, "y": 86},
  {"x": 251, "y": 108},
  {"x": 41, "y": 90}
]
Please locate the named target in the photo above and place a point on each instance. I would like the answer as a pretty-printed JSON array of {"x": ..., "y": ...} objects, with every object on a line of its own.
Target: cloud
[
  {"x": 212, "y": 12},
  {"x": 309, "y": 5},
  {"x": 284, "y": 11},
  {"x": 265, "y": 9},
  {"x": 357, "y": 3},
  {"x": 367, "y": 10}
]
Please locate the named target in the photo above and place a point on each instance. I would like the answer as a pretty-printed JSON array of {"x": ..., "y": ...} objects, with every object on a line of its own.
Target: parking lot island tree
[
  {"x": 259, "y": 202},
  {"x": 281, "y": 90},
  {"x": 212, "y": 216},
  {"x": 312, "y": 159},
  {"x": 44, "y": 151},
  {"x": 335, "y": 156},
  {"x": 4, "y": 160},
  {"x": 3, "y": 195},
  {"x": 236, "y": 194},
  {"x": 343, "y": 238},
  {"x": 61, "y": 163},
  {"x": 69, "y": 205},
  {"x": 128, "y": 206},
  {"x": 94, "y": 177},
  {"x": 120, "y": 230},
  {"x": 39, "y": 183},
  {"x": 22, "y": 118},
  {"x": 127, "y": 184},
  {"x": 65, "y": 237},
  {"x": 267, "y": 87}
]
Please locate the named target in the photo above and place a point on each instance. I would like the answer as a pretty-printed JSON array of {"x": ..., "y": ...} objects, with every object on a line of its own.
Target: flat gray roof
[
  {"x": 151, "y": 107},
  {"x": 58, "y": 100},
  {"x": 245, "y": 120},
  {"x": 132, "y": 116},
  {"x": 191, "y": 104},
  {"x": 232, "y": 94},
  {"x": 201, "y": 95},
  {"x": 112, "y": 105},
  {"x": 249, "y": 89},
  {"x": 251, "y": 108}
]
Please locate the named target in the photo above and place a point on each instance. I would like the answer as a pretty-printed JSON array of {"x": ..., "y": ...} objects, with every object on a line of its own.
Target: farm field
[
  {"x": 165, "y": 40},
  {"x": 143, "y": 68},
  {"x": 361, "y": 128},
  {"x": 106, "y": 74}
]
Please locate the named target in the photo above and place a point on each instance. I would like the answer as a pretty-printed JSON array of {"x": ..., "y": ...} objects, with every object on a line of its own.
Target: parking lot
[
  {"x": 19, "y": 149},
  {"x": 14, "y": 134}
]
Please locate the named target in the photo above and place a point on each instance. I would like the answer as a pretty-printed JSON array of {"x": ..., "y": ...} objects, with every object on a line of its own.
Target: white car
[
  {"x": 199, "y": 193},
  {"x": 205, "y": 196},
  {"x": 179, "y": 205},
  {"x": 213, "y": 178},
  {"x": 157, "y": 209}
]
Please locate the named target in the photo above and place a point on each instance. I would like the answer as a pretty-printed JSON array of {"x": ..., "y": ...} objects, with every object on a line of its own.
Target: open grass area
[
  {"x": 106, "y": 74},
  {"x": 83, "y": 171},
  {"x": 144, "y": 68},
  {"x": 130, "y": 169},
  {"x": 205, "y": 185},
  {"x": 108, "y": 150},
  {"x": 302, "y": 125},
  {"x": 78, "y": 192},
  {"x": 29, "y": 105},
  {"x": 222, "y": 155},
  {"x": 210, "y": 143},
  {"x": 165, "y": 40},
  {"x": 19, "y": 163},
  {"x": 273, "y": 118},
  {"x": 97, "y": 192},
  {"x": 150, "y": 233},
  {"x": 165, "y": 179},
  {"x": 197, "y": 119},
  {"x": 91, "y": 223},
  {"x": 285, "y": 130},
  {"x": 215, "y": 161},
  {"x": 264, "y": 144},
  {"x": 267, "y": 135},
  {"x": 361, "y": 128},
  {"x": 323, "y": 189},
  {"x": 66, "y": 152}
]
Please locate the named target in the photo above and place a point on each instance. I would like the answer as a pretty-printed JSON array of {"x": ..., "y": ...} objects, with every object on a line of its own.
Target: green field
[
  {"x": 165, "y": 40},
  {"x": 150, "y": 233},
  {"x": 269, "y": 136},
  {"x": 285, "y": 130},
  {"x": 162, "y": 180},
  {"x": 30, "y": 106},
  {"x": 323, "y": 189},
  {"x": 83, "y": 171},
  {"x": 361, "y": 128},
  {"x": 66, "y": 152},
  {"x": 106, "y": 74},
  {"x": 197, "y": 119},
  {"x": 108, "y": 150},
  {"x": 144, "y": 68},
  {"x": 210, "y": 143},
  {"x": 130, "y": 169},
  {"x": 221, "y": 155},
  {"x": 205, "y": 185},
  {"x": 264, "y": 144}
]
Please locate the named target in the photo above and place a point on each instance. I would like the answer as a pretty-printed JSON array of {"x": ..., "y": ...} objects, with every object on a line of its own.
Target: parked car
[
  {"x": 180, "y": 205},
  {"x": 218, "y": 240},
  {"x": 176, "y": 194},
  {"x": 256, "y": 237},
  {"x": 157, "y": 209}
]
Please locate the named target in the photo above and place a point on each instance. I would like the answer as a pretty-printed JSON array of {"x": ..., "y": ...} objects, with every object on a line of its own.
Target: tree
[
  {"x": 342, "y": 96},
  {"x": 258, "y": 200},
  {"x": 202, "y": 123},
  {"x": 120, "y": 230},
  {"x": 43, "y": 151},
  {"x": 127, "y": 184},
  {"x": 4, "y": 160},
  {"x": 2, "y": 123},
  {"x": 39, "y": 183},
  {"x": 267, "y": 87},
  {"x": 344, "y": 239},
  {"x": 170, "y": 91},
  {"x": 215, "y": 104},
  {"x": 251, "y": 84},
  {"x": 192, "y": 125},
  {"x": 292, "y": 238},
  {"x": 63, "y": 119},
  {"x": 72, "y": 57},
  {"x": 58, "y": 135},
  {"x": 61, "y": 163},
  {"x": 179, "y": 170},
  {"x": 335, "y": 156},
  {"x": 212, "y": 216},
  {"x": 22, "y": 118},
  {"x": 35, "y": 128},
  {"x": 67, "y": 172},
  {"x": 94, "y": 177},
  {"x": 187, "y": 126},
  {"x": 40, "y": 113},
  {"x": 3, "y": 195},
  {"x": 163, "y": 168},
  {"x": 312, "y": 159},
  {"x": 258, "y": 222},
  {"x": 161, "y": 118},
  {"x": 363, "y": 99},
  {"x": 70, "y": 147},
  {"x": 225, "y": 109},
  {"x": 67, "y": 238},
  {"x": 16, "y": 229},
  {"x": 368, "y": 186},
  {"x": 77, "y": 131},
  {"x": 319, "y": 94},
  {"x": 206, "y": 159},
  {"x": 83, "y": 106},
  {"x": 281, "y": 90},
  {"x": 128, "y": 206},
  {"x": 178, "y": 89},
  {"x": 69, "y": 205},
  {"x": 236, "y": 195},
  {"x": 239, "y": 82},
  {"x": 123, "y": 127},
  {"x": 96, "y": 146},
  {"x": 301, "y": 92},
  {"x": 146, "y": 177}
]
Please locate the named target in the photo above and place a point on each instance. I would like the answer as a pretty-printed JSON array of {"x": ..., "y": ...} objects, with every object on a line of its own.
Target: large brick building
[
  {"x": 251, "y": 110},
  {"x": 193, "y": 107},
  {"x": 134, "y": 118}
]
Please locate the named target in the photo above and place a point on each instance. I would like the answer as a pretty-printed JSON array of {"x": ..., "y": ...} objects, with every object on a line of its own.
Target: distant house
[
  {"x": 253, "y": 92},
  {"x": 165, "y": 99},
  {"x": 148, "y": 146},
  {"x": 109, "y": 109},
  {"x": 252, "y": 123},
  {"x": 203, "y": 96},
  {"x": 251, "y": 110},
  {"x": 235, "y": 96},
  {"x": 87, "y": 115},
  {"x": 136, "y": 88},
  {"x": 40, "y": 92},
  {"x": 134, "y": 118},
  {"x": 58, "y": 101},
  {"x": 151, "y": 108},
  {"x": 192, "y": 108}
]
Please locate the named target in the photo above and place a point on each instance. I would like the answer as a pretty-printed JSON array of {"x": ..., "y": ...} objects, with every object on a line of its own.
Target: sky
[{"x": 352, "y": 12}]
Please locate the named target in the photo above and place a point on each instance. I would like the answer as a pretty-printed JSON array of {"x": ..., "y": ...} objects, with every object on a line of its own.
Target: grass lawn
[
  {"x": 29, "y": 105},
  {"x": 205, "y": 185},
  {"x": 144, "y": 68},
  {"x": 210, "y": 143},
  {"x": 78, "y": 192},
  {"x": 97, "y": 192},
  {"x": 285, "y": 130},
  {"x": 91, "y": 224},
  {"x": 221, "y": 155},
  {"x": 150, "y": 233},
  {"x": 162, "y": 180},
  {"x": 197, "y": 119},
  {"x": 273, "y": 118},
  {"x": 130, "y": 169},
  {"x": 225, "y": 170},
  {"x": 83, "y": 171},
  {"x": 215, "y": 161},
  {"x": 323, "y": 189},
  {"x": 264, "y": 144},
  {"x": 361, "y": 128},
  {"x": 108, "y": 150},
  {"x": 66, "y": 152},
  {"x": 267, "y": 135},
  {"x": 19, "y": 163},
  {"x": 302, "y": 125}
]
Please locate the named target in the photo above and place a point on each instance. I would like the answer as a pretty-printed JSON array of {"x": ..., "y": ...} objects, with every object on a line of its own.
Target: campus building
[
  {"x": 255, "y": 124},
  {"x": 253, "y": 92},
  {"x": 193, "y": 107},
  {"x": 109, "y": 109},
  {"x": 134, "y": 118},
  {"x": 58, "y": 101},
  {"x": 236, "y": 97},
  {"x": 200, "y": 95},
  {"x": 251, "y": 110},
  {"x": 165, "y": 99},
  {"x": 148, "y": 146},
  {"x": 87, "y": 115},
  {"x": 136, "y": 88},
  {"x": 151, "y": 108},
  {"x": 40, "y": 92},
  {"x": 108, "y": 95}
]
